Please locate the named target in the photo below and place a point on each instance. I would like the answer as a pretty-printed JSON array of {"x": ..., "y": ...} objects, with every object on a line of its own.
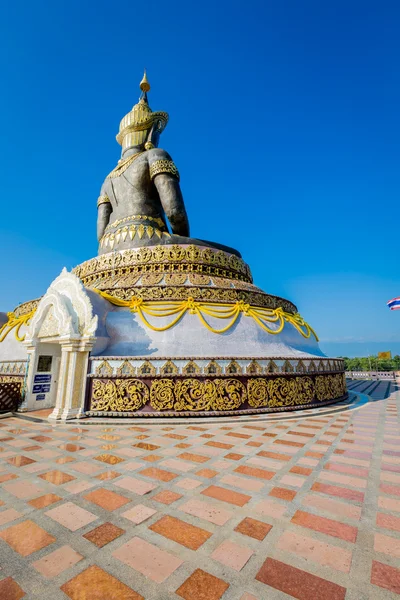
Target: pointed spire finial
[{"x": 144, "y": 84}]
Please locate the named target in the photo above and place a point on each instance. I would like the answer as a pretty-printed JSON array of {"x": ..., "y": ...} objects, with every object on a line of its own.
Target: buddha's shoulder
[{"x": 156, "y": 154}]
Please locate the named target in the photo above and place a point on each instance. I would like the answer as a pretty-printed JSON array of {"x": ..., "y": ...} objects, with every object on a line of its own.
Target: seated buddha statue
[{"x": 142, "y": 195}]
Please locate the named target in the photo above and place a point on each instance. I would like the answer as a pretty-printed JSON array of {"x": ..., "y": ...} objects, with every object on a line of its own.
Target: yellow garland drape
[
  {"x": 177, "y": 309},
  {"x": 15, "y": 323}
]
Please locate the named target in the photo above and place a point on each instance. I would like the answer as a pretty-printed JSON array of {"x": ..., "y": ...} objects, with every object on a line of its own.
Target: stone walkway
[{"x": 305, "y": 508}]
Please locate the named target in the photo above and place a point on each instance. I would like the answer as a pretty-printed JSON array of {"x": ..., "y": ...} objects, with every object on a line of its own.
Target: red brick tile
[
  {"x": 297, "y": 583},
  {"x": 197, "y": 458},
  {"x": 253, "y": 528},
  {"x": 311, "y": 454},
  {"x": 301, "y": 470},
  {"x": 20, "y": 461},
  {"x": 324, "y": 525},
  {"x": 289, "y": 443},
  {"x": 148, "y": 447},
  {"x": 202, "y": 586},
  {"x": 104, "y": 534},
  {"x": 393, "y": 468},
  {"x": 388, "y": 522},
  {"x": 334, "y": 490},
  {"x": 71, "y": 447},
  {"x": 166, "y": 497},
  {"x": 220, "y": 445},
  {"x": 385, "y": 576},
  {"x": 283, "y": 493},
  {"x": 26, "y": 537},
  {"x": 302, "y": 433},
  {"x": 233, "y": 456},
  {"x": 96, "y": 584},
  {"x": 274, "y": 455},
  {"x": 107, "y": 475},
  {"x": 253, "y": 472},
  {"x": 315, "y": 551},
  {"x": 10, "y": 590},
  {"x": 7, "y": 477},
  {"x": 57, "y": 477},
  {"x": 181, "y": 532},
  {"x": 44, "y": 501},
  {"x": 151, "y": 458},
  {"x": 107, "y": 499},
  {"x": 159, "y": 474},
  {"x": 110, "y": 459},
  {"x": 225, "y": 495},
  {"x": 208, "y": 473},
  {"x": 339, "y": 468},
  {"x": 392, "y": 490},
  {"x": 239, "y": 435}
]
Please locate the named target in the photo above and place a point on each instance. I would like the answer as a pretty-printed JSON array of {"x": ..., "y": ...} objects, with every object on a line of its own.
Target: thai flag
[{"x": 394, "y": 304}]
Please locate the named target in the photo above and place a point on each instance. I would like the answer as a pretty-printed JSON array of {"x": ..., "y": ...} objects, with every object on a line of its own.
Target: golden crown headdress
[{"x": 135, "y": 125}]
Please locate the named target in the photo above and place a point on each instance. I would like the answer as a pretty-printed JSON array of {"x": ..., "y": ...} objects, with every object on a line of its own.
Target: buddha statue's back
[{"x": 142, "y": 193}]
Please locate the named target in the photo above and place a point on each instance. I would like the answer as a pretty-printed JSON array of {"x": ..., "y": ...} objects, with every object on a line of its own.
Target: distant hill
[{"x": 352, "y": 349}]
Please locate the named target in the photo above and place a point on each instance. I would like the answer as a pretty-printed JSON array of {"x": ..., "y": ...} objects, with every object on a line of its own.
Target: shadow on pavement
[{"x": 377, "y": 390}]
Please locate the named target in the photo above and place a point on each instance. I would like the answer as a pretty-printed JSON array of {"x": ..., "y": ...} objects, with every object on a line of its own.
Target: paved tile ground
[{"x": 305, "y": 508}]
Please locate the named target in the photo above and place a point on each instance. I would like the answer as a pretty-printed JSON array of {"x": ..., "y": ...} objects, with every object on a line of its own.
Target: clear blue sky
[{"x": 284, "y": 124}]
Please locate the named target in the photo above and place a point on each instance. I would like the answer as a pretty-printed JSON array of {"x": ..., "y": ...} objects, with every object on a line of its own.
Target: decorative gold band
[
  {"x": 122, "y": 165},
  {"x": 168, "y": 254},
  {"x": 163, "y": 166},
  {"x": 159, "y": 222},
  {"x": 103, "y": 200},
  {"x": 214, "y": 395}
]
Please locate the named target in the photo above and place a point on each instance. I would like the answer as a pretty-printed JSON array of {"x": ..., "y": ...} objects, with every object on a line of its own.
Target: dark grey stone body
[{"x": 133, "y": 194}]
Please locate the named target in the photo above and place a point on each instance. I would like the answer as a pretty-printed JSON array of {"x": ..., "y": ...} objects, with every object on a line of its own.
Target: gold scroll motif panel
[
  {"x": 195, "y": 394},
  {"x": 165, "y": 293},
  {"x": 171, "y": 253}
]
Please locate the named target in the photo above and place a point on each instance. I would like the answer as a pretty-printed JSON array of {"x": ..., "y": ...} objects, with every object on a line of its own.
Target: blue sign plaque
[
  {"x": 42, "y": 379},
  {"x": 41, "y": 397},
  {"x": 41, "y": 388}
]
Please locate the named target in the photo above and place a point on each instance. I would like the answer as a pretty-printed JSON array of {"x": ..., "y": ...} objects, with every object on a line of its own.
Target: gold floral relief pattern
[
  {"x": 329, "y": 386},
  {"x": 175, "y": 278},
  {"x": 11, "y": 379},
  {"x": 257, "y": 390},
  {"x": 231, "y": 394},
  {"x": 305, "y": 390},
  {"x": 199, "y": 279},
  {"x": 151, "y": 278},
  {"x": 282, "y": 391},
  {"x": 169, "y": 253},
  {"x": 119, "y": 395},
  {"x": 162, "y": 396},
  {"x": 221, "y": 394},
  {"x": 193, "y": 394}
]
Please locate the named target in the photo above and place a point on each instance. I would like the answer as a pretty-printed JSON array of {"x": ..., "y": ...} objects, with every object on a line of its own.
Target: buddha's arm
[
  {"x": 172, "y": 202},
  {"x": 104, "y": 210}
]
